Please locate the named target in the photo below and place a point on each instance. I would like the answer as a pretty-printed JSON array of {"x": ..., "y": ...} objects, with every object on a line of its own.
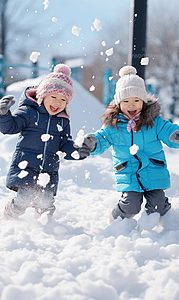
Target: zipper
[
  {"x": 140, "y": 164},
  {"x": 45, "y": 147},
  {"x": 132, "y": 138}
]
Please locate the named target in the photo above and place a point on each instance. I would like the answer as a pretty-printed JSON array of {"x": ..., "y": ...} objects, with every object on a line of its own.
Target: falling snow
[
  {"x": 34, "y": 56},
  {"x": 76, "y": 30},
  {"x": 80, "y": 138},
  {"x": 133, "y": 149},
  {"x": 144, "y": 61},
  {"x": 43, "y": 179},
  {"x": 23, "y": 164},
  {"x": 46, "y": 4},
  {"x": 54, "y": 19},
  {"x": 97, "y": 24},
  {"x": 109, "y": 52}
]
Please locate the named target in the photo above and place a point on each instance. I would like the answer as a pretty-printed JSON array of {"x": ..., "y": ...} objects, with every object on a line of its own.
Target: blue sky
[{"x": 56, "y": 37}]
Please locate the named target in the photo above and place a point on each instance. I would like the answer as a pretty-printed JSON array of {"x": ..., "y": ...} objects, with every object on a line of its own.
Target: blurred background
[{"x": 93, "y": 38}]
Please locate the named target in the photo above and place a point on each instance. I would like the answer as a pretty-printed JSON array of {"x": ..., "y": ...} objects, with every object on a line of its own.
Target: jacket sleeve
[
  {"x": 67, "y": 144},
  {"x": 164, "y": 130},
  {"x": 16, "y": 122},
  {"x": 104, "y": 141}
]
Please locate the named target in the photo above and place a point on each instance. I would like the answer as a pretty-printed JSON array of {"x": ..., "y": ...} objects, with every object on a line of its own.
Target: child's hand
[
  {"x": 5, "y": 103},
  {"x": 174, "y": 137},
  {"x": 89, "y": 145}
]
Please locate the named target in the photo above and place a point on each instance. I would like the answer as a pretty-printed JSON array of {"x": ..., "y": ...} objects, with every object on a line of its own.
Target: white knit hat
[
  {"x": 57, "y": 82},
  {"x": 130, "y": 85}
]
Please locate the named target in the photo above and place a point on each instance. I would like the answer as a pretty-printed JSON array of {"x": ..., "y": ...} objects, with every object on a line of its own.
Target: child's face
[
  {"x": 55, "y": 103},
  {"x": 131, "y": 106}
]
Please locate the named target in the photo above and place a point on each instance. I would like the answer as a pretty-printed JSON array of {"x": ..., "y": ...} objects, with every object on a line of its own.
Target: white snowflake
[
  {"x": 34, "y": 56},
  {"x": 97, "y": 24},
  {"x": 46, "y": 4},
  {"x": 109, "y": 52},
  {"x": 133, "y": 149},
  {"x": 92, "y": 88},
  {"x": 80, "y": 138},
  {"x": 61, "y": 154},
  {"x": 76, "y": 30},
  {"x": 43, "y": 179},
  {"x": 75, "y": 155},
  {"x": 22, "y": 174},
  {"x": 59, "y": 127},
  {"x": 23, "y": 164},
  {"x": 45, "y": 137},
  {"x": 54, "y": 19},
  {"x": 144, "y": 61}
]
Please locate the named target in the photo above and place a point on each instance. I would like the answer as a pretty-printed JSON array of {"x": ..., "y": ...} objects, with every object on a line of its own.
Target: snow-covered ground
[{"x": 79, "y": 256}]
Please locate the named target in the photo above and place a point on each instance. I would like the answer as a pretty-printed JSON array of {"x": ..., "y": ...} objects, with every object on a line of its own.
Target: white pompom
[{"x": 127, "y": 70}]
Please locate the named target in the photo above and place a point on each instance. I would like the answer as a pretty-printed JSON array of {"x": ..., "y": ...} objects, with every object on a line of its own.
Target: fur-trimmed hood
[
  {"x": 28, "y": 97},
  {"x": 153, "y": 108},
  {"x": 150, "y": 111}
]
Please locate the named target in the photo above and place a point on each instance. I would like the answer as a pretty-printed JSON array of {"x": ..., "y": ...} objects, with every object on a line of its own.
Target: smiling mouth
[
  {"x": 53, "y": 109},
  {"x": 132, "y": 112}
]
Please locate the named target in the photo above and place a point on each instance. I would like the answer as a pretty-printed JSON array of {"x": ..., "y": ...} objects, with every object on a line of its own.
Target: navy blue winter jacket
[{"x": 32, "y": 122}]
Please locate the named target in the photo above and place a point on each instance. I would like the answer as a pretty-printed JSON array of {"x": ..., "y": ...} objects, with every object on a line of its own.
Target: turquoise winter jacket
[{"x": 145, "y": 170}]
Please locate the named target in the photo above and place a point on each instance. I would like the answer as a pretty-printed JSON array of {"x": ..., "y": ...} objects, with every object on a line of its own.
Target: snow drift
[{"x": 79, "y": 256}]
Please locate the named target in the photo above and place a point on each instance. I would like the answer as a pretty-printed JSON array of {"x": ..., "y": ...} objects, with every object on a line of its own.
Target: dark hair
[{"x": 110, "y": 119}]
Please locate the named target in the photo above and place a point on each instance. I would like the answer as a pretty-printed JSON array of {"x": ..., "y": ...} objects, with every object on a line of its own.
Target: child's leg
[
  {"x": 129, "y": 205},
  {"x": 18, "y": 205},
  {"x": 44, "y": 202},
  {"x": 156, "y": 202}
]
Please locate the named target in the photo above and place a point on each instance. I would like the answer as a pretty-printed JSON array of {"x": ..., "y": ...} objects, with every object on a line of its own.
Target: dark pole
[{"x": 138, "y": 35}]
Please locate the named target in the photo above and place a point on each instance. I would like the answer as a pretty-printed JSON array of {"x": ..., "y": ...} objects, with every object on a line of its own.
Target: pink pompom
[{"x": 61, "y": 68}]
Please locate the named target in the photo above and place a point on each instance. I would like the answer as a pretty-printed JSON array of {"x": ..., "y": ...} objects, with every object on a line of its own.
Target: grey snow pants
[
  {"x": 130, "y": 203},
  {"x": 41, "y": 200}
]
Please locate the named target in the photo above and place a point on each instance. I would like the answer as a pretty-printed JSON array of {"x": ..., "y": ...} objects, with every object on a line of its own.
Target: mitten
[
  {"x": 174, "y": 137},
  {"x": 5, "y": 103},
  {"x": 89, "y": 145}
]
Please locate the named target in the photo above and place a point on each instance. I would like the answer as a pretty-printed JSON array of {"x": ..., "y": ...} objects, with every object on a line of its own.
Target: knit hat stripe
[{"x": 133, "y": 91}]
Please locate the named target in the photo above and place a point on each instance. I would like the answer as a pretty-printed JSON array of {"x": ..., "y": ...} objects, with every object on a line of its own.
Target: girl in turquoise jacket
[{"x": 135, "y": 130}]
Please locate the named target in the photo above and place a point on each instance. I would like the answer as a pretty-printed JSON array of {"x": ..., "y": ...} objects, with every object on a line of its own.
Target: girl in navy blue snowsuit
[{"x": 42, "y": 119}]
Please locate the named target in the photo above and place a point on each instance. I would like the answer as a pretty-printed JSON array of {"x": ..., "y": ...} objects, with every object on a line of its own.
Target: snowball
[
  {"x": 117, "y": 42},
  {"x": 103, "y": 43},
  {"x": 76, "y": 31},
  {"x": 75, "y": 155},
  {"x": 144, "y": 61},
  {"x": 109, "y": 52},
  {"x": 34, "y": 56},
  {"x": 45, "y": 137},
  {"x": 133, "y": 149},
  {"x": 43, "y": 179},
  {"x": 54, "y": 19},
  {"x": 61, "y": 154},
  {"x": 46, "y": 4},
  {"x": 59, "y": 127},
  {"x": 23, "y": 164},
  {"x": 97, "y": 24},
  {"x": 22, "y": 174},
  {"x": 92, "y": 88},
  {"x": 80, "y": 138}
]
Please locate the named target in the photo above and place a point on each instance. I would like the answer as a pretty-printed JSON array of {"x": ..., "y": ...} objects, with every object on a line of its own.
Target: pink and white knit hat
[{"x": 57, "y": 82}]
